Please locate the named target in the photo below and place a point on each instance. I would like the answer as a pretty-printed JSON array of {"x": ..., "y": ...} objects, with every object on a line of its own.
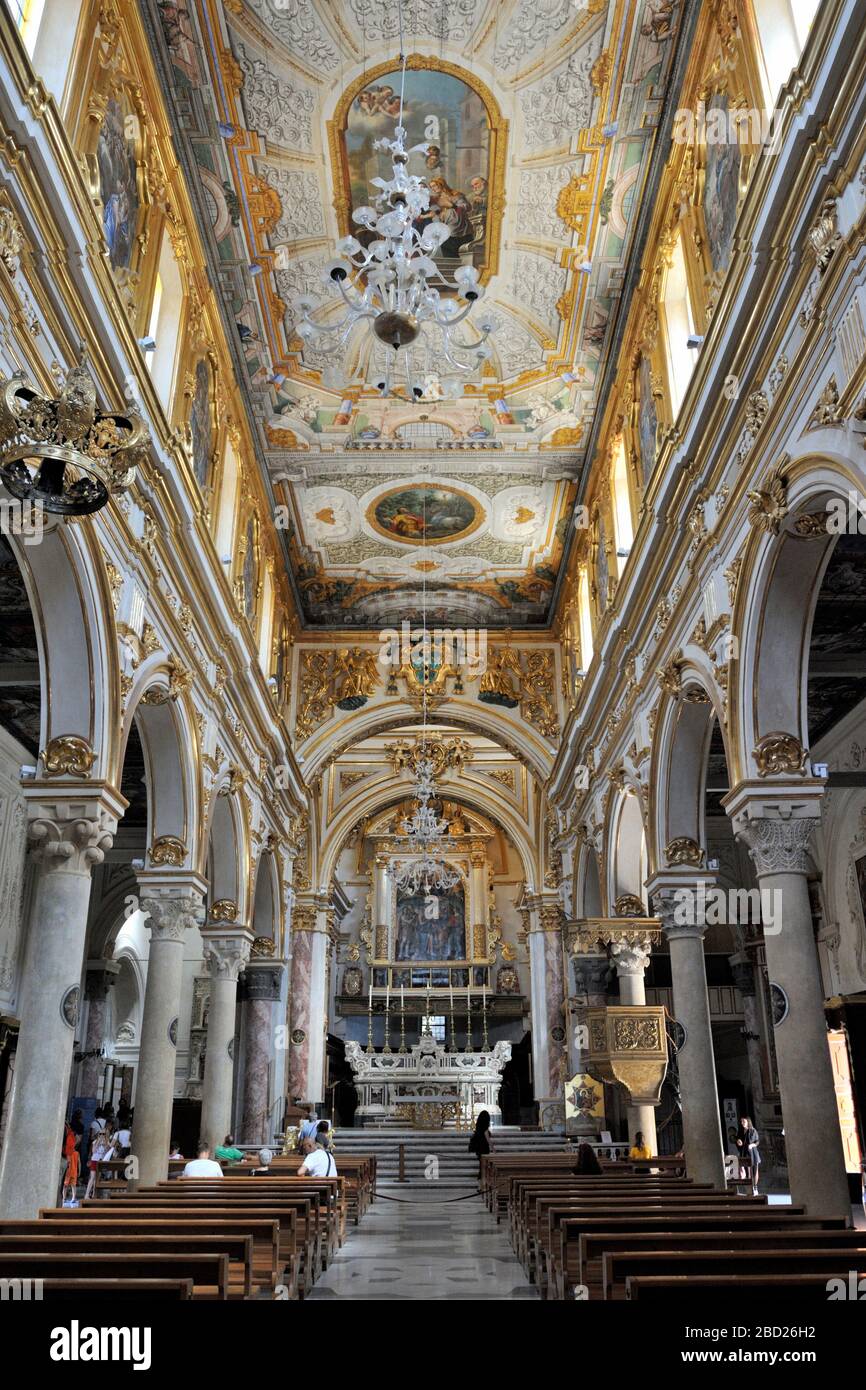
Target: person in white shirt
[
  {"x": 320, "y": 1163},
  {"x": 202, "y": 1167}
]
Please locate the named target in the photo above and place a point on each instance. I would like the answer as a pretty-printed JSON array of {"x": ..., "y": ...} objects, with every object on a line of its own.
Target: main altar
[{"x": 427, "y": 1086}]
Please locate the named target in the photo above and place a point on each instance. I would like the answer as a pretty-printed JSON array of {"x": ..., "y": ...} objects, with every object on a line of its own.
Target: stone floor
[{"x": 425, "y": 1249}]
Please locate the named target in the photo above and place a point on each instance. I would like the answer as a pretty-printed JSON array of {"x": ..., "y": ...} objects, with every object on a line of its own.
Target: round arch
[
  {"x": 519, "y": 740},
  {"x": 588, "y": 897},
  {"x": 68, "y": 592},
  {"x": 626, "y": 859},
  {"x": 265, "y": 897},
  {"x": 375, "y": 799},
  {"x": 225, "y": 853},
  {"x": 782, "y": 569},
  {"x": 169, "y": 743}
]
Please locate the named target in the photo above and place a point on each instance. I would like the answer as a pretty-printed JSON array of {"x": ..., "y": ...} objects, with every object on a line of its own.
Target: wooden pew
[
  {"x": 570, "y": 1269},
  {"x": 674, "y": 1290},
  {"x": 209, "y": 1272},
  {"x": 116, "y": 1290},
  {"x": 267, "y": 1268},
  {"x": 832, "y": 1262},
  {"x": 297, "y": 1216},
  {"x": 237, "y": 1248},
  {"x": 324, "y": 1194}
]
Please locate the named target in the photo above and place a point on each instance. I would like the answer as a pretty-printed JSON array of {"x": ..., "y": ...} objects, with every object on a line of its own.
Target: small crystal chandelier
[
  {"x": 393, "y": 285},
  {"x": 424, "y": 834}
]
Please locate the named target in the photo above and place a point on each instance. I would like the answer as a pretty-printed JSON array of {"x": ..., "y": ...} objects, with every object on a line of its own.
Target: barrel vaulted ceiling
[{"x": 547, "y": 113}]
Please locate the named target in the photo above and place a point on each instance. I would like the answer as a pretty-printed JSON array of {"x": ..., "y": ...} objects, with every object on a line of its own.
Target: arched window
[
  {"x": 585, "y": 616},
  {"x": 622, "y": 520},
  {"x": 164, "y": 325},
  {"x": 680, "y": 324},
  {"x": 783, "y": 28}
]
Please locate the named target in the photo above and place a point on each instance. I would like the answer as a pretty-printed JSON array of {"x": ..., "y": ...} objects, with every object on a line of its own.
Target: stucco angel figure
[
  {"x": 361, "y": 676},
  {"x": 497, "y": 687}
]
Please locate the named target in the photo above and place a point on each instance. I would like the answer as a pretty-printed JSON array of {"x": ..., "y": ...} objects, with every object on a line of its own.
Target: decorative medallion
[
  {"x": 779, "y": 1001},
  {"x": 172, "y": 1032},
  {"x": 425, "y": 513},
  {"x": 168, "y": 849},
  {"x": 223, "y": 910},
  {"x": 69, "y": 1006},
  {"x": 298, "y": 1036},
  {"x": 629, "y": 905},
  {"x": 263, "y": 946},
  {"x": 684, "y": 850},
  {"x": 557, "y": 1034},
  {"x": 353, "y": 981},
  {"x": 779, "y": 752},
  {"x": 68, "y": 755}
]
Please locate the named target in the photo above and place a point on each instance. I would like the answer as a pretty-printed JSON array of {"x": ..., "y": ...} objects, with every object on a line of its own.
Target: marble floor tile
[{"x": 428, "y": 1250}]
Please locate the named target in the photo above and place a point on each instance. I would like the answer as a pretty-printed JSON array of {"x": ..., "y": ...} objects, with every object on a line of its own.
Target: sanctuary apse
[{"x": 598, "y": 874}]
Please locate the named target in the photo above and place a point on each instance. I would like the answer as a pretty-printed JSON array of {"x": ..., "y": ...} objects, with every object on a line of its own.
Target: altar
[{"x": 427, "y": 1086}]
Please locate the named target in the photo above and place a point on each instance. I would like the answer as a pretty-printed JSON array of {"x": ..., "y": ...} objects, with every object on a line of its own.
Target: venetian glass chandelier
[
  {"x": 392, "y": 287},
  {"x": 425, "y": 831}
]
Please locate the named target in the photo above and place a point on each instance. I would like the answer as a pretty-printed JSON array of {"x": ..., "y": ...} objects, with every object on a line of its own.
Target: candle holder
[
  {"x": 387, "y": 1047},
  {"x": 485, "y": 1040},
  {"x": 453, "y": 1046},
  {"x": 370, "y": 1048},
  {"x": 402, "y": 1047},
  {"x": 468, "y": 1047}
]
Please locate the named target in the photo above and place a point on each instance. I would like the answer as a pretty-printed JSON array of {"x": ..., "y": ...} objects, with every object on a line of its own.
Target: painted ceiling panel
[{"x": 544, "y": 116}]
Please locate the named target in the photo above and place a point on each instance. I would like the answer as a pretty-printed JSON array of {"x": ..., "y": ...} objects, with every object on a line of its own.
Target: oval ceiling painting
[
  {"x": 461, "y": 139},
  {"x": 423, "y": 513}
]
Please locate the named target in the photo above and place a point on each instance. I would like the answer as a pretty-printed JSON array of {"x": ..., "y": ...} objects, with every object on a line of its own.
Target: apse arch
[
  {"x": 519, "y": 740},
  {"x": 372, "y": 801},
  {"x": 783, "y": 564}
]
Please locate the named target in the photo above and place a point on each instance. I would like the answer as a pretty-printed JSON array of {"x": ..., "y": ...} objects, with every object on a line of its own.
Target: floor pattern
[{"x": 420, "y": 1248}]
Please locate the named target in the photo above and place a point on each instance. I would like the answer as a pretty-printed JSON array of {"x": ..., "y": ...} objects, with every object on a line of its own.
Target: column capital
[
  {"x": 101, "y": 975},
  {"x": 170, "y": 913},
  {"x": 631, "y": 957},
  {"x": 226, "y": 951},
  {"x": 680, "y": 913},
  {"x": 69, "y": 832},
  {"x": 776, "y": 844},
  {"x": 262, "y": 980},
  {"x": 590, "y": 974}
]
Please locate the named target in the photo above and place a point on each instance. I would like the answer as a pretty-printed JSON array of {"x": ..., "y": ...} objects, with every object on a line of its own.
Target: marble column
[
  {"x": 226, "y": 952},
  {"x": 779, "y": 847},
  {"x": 743, "y": 972},
  {"x": 631, "y": 958},
  {"x": 69, "y": 839},
  {"x": 101, "y": 975},
  {"x": 702, "y": 1129},
  {"x": 478, "y": 900},
  {"x": 547, "y": 992},
  {"x": 590, "y": 975},
  {"x": 261, "y": 986},
  {"x": 381, "y": 908},
  {"x": 307, "y": 1039},
  {"x": 170, "y": 910}
]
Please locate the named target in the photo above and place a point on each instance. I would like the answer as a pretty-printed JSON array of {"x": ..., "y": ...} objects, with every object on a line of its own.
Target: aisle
[{"x": 425, "y": 1250}]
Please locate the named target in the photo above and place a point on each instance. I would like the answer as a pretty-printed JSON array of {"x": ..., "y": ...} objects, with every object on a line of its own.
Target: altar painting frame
[{"x": 418, "y": 962}]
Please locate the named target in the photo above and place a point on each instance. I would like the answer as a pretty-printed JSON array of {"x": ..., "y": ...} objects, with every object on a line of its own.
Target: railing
[{"x": 725, "y": 1001}]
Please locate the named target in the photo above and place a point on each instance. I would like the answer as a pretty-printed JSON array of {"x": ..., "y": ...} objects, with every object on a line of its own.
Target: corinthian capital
[
  {"x": 680, "y": 911},
  {"x": 631, "y": 957},
  {"x": 72, "y": 846},
  {"x": 170, "y": 917},
  {"x": 226, "y": 952},
  {"x": 777, "y": 846}
]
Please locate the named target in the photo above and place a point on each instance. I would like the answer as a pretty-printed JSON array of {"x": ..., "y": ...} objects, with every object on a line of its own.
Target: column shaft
[
  {"x": 226, "y": 953},
  {"x": 49, "y": 1004}
]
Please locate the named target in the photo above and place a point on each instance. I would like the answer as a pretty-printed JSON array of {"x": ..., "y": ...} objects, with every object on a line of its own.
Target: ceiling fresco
[{"x": 538, "y": 121}]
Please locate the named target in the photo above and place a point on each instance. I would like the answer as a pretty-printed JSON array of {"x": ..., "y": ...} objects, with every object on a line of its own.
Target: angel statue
[
  {"x": 497, "y": 687},
  {"x": 360, "y": 677}
]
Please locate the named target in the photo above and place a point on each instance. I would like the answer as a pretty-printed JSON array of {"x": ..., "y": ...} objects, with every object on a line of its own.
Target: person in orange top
[{"x": 73, "y": 1164}]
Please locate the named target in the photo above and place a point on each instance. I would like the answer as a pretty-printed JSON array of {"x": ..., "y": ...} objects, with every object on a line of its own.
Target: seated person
[
  {"x": 320, "y": 1163},
  {"x": 228, "y": 1152},
  {"x": 263, "y": 1167},
  {"x": 174, "y": 1150},
  {"x": 203, "y": 1166}
]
